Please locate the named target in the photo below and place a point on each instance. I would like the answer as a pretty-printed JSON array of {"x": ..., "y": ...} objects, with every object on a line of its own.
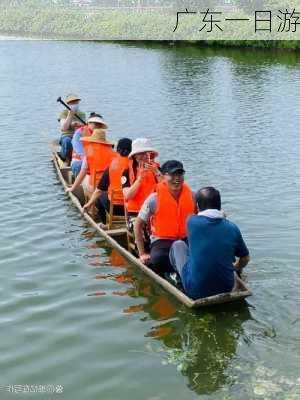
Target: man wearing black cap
[
  {"x": 111, "y": 180},
  {"x": 206, "y": 266},
  {"x": 167, "y": 211}
]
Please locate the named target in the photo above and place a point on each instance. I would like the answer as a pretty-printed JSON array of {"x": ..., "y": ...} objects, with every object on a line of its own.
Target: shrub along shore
[{"x": 78, "y": 23}]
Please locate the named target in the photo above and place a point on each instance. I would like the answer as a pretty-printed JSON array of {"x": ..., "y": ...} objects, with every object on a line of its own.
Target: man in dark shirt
[{"x": 207, "y": 265}]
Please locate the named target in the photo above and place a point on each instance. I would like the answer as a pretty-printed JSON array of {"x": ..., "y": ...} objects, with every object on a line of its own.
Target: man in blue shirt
[{"x": 207, "y": 265}]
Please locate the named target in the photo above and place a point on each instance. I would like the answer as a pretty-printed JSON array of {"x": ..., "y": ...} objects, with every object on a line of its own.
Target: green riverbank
[{"x": 56, "y": 22}]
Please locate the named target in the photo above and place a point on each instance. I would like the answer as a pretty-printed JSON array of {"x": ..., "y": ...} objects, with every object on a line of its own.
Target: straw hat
[
  {"x": 72, "y": 97},
  {"x": 98, "y": 120},
  {"x": 98, "y": 136},
  {"x": 142, "y": 145}
]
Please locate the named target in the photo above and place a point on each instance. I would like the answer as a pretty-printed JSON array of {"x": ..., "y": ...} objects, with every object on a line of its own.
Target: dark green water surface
[{"x": 72, "y": 311}]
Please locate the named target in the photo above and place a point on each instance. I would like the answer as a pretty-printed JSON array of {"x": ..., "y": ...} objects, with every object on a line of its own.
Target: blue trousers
[
  {"x": 66, "y": 148},
  {"x": 76, "y": 167}
]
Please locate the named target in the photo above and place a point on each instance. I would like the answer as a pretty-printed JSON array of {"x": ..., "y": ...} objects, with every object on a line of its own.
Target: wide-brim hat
[
  {"x": 98, "y": 120},
  {"x": 72, "y": 97},
  {"x": 142, "y": 145},
  {"x": 98, "y": 136}
]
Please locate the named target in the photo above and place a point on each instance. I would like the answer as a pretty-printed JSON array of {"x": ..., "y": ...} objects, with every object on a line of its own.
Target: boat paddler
[
  {"x": 206, "y": 265},
  {"x": 68, "y": 124},
  {"x": 167, "y": 211}
]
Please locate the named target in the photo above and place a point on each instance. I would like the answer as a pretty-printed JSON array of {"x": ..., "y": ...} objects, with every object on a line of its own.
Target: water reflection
[
  {"x": 231, "y": 116},
  {"x": 201, "y": 344},
  {"x": 245, "y": 56}
]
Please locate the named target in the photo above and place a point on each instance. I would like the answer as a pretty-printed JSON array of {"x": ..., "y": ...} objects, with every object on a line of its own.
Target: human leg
[
  {"x": 66, "y": 148},
  {"x": 76, "y": 167},
  {"x": 102, "y": 204},
  {"x": 159, "y": 253},
  {"x": 179, "y": 253}
]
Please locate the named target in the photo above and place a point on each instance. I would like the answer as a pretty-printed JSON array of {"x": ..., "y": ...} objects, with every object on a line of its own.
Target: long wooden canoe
[{"x": 110, "y": 236}]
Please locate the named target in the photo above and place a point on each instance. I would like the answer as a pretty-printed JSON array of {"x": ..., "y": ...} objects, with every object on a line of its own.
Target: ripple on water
[{"x": 71, "y": 313}]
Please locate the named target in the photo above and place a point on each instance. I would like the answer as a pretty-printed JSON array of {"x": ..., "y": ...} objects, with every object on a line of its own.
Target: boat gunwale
[{"x": 211, "y": 300}]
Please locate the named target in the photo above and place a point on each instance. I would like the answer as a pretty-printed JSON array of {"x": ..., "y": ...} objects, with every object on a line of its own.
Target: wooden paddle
[{"x": 59, "y": 100}]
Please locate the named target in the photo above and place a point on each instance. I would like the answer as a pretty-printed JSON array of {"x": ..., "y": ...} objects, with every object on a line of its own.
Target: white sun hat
[
  {"x": 142, "y": 145},
  {"x": 98, "y": 120}
]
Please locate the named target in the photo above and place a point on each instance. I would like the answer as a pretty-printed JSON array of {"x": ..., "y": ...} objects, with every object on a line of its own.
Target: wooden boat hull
[{"x": 240, "y": 294}]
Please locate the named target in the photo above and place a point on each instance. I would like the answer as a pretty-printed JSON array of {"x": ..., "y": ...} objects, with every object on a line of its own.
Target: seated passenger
[
  {"x": 98, "y": 154},
  {"x": 140, "y": 179},
  {"x": 207, "y": 265},
  {"x": 95, "y": 121},
  {"x": 68, "y": 124},
  {"x": 167, "y": 211},
  {"x": 111, "y": 180}
]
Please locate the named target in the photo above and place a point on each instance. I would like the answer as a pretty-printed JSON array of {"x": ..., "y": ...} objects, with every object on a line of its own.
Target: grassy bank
[
  {"x": 81, "y": 23},
  {"x": 271, "y": 44}
]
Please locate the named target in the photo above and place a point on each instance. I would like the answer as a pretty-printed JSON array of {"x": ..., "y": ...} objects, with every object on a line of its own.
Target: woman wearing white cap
[
  {"x": 95, "y": 121},
  {"x": 140, "y": 179},
  {"x": 98, "y": 136}
]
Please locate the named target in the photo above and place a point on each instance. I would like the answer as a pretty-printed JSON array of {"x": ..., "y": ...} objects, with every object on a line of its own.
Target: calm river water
[{"x": 72, "y": 311}]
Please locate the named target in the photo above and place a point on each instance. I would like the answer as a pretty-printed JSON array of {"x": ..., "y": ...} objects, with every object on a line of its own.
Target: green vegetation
[
  {"x": 271, "y": 44},
  {"x": 50, "y": 20}
]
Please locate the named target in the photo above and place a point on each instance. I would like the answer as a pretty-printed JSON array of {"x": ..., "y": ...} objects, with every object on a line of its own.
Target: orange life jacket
[
  {"x": 170, "y": 218},
  {"x": 147, "y": 186},
  {"x": 98, "y": 157},
  {"x": 116, "y": 168},
  {"x": 84, "y": 131}
]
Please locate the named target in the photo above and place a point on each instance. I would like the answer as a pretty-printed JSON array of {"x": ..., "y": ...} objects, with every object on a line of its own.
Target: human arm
[
  {"x": 139, "y": 227},
  {"x": 156, "y": 170},
  {"x": 76, "y": 137},
  {"x": 102, "y": 187},
  {"x": 242, "y": 253},
  {"x": 80, "y": 177},
  {"x": 146, "y": 212},
  {"x": 93, "y": 199},
  {"x": 131, "y": 191},
  {"x": 241, "y": 263},
  {"x": 65, "y": 123}
]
